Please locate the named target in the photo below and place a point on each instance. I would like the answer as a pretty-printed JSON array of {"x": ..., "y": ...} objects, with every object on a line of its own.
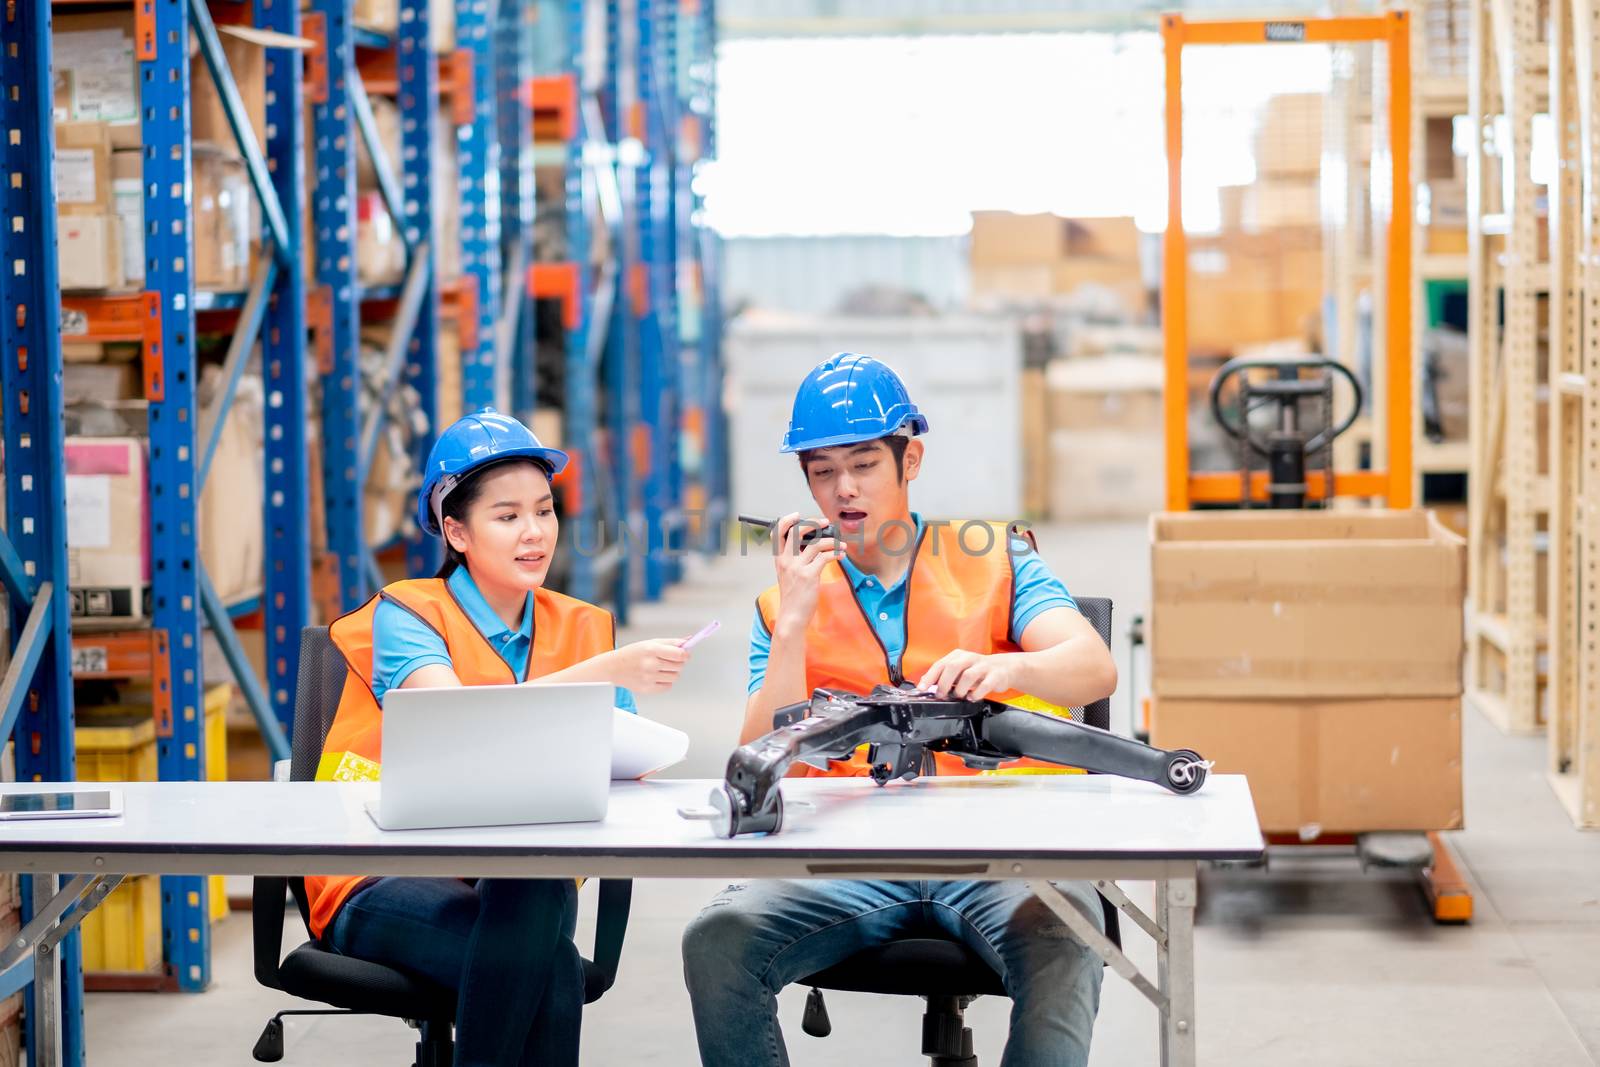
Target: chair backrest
[
  {"x": 316, "y": 699},
  {"x": 1094, "y": 608}
]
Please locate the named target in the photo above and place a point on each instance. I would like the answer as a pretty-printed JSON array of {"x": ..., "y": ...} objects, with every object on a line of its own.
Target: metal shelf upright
[
  {"x": 660, "y": 369},
  {"x": 1507, "y": 80},
  {"x": 701, "y": 327},
  {"x": 485, "y": 379},
  {"x": 182, "y": 437},
  {"x": 1573, "y": 593},
  {"x": 569, "y": 92},
  {"x": 36, "y": 696}
]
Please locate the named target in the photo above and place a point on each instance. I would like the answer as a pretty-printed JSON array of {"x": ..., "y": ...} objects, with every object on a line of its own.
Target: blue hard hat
[
  {"x": 469, "y": 443},
  {"x": 849, "y": 398}
]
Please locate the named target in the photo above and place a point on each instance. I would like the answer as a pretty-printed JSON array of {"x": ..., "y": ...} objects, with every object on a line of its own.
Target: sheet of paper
[
  {"x": 640, "y": 747},
  {"x": 89, "y": 510}
]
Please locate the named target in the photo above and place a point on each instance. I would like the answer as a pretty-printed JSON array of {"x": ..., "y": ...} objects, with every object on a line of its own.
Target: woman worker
[{"x": 505, "y": 945}]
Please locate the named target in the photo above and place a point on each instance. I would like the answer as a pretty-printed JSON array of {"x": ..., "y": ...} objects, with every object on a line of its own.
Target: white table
[{"x": 1035, "y": 828}]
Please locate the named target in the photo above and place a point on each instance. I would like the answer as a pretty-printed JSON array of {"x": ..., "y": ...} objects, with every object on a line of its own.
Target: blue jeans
[
  {"x": 752, "y": 940},
  {"x": 504, "y": 946}
]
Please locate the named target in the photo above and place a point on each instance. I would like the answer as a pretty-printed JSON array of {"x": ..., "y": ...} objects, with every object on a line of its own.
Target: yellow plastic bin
[
  {"x": 215, "y": 733},
  {"x": 123, "y": 935},
  {"x": 117, "y": 748}
]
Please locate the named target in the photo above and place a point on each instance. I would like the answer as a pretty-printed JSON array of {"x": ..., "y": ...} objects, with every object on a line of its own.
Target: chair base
[
  {"x": 435, "y": 1040},
  {"x": 946, "y": 1038}
]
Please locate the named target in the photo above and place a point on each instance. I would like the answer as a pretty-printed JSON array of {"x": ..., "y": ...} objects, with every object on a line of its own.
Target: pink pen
[{"x": 706, "y": 631}]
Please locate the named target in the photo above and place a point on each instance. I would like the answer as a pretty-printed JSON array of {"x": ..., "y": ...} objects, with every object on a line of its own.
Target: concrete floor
[{"x": 1310, "y": 962}]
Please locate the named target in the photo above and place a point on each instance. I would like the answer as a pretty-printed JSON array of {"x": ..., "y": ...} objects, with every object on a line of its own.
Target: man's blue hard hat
[
  {"x": 849, "y": 398},
  {"x": 467, "y": 444}
]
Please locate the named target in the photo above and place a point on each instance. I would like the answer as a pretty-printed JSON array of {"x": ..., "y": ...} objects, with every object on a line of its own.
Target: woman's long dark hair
[{"x": 463, "y": 496}]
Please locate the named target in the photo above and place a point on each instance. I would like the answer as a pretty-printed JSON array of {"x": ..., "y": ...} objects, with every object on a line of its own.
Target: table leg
[
  {"x": 46, "y": 1028},
  {"x": 1175, "y": 900},
  {"x": 57, "y": 916}
]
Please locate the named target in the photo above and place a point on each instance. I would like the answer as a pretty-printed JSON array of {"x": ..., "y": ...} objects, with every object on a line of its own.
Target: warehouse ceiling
[{"x": 837, "y": 18}]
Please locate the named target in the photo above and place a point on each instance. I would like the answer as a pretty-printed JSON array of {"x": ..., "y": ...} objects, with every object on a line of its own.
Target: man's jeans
[
  {"x": 752, "y": 940},
  {"x": 504, "y": 945}
]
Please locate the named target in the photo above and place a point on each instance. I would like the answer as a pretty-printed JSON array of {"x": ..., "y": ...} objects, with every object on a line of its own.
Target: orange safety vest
[
  {"x": 958, "y": 595},
  {"x": 565, "y": 632}
]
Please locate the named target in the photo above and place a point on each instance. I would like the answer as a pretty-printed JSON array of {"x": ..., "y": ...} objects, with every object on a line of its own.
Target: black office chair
[
  {"x": 355, "y": 986},
  {"x": 947, "y": 974}
]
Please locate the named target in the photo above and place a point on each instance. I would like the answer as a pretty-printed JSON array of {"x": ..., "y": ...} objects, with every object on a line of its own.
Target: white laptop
[{"x": 495, "y": 755}]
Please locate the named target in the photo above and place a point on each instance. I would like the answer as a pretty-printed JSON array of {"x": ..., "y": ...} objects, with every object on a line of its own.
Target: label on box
[
  {"x": 127, "y": 202},
  {"x": 88, "y": 659},
  {"x": 75, "y": 177},
  {"x": 89, "y": 510},
  {"x": 103, "y": 74}
]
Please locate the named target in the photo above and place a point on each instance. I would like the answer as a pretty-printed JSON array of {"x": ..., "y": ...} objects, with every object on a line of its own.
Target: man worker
[{"x": 963, "y": 609}]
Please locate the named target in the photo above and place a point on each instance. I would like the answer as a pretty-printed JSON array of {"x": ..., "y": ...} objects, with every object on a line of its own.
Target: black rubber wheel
[{"x": 1186, "y": 771}]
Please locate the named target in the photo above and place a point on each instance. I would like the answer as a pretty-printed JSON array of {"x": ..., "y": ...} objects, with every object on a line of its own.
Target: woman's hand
[
  {"x": 647, "y": 666},
  {"x": 970, "y": 676}
]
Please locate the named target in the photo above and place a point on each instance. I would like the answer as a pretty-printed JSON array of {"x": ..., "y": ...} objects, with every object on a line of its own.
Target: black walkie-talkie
[{"x": 810, "y": 535}]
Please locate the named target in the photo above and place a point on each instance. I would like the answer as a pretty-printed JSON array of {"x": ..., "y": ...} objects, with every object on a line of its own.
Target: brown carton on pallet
[
  {"x": 1329, "y": 766},
  {"x": 83, "y": 168},
  {"x": 1298, "y": 604},
  {"x": 88, "y": 252}
]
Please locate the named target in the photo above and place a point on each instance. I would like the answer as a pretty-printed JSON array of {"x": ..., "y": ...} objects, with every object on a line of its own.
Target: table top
[{"x": 977, "y": 827}]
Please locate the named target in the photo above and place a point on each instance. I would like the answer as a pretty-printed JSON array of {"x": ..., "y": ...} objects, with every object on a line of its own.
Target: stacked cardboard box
[
  {"x": 1037, "y": 258},
  {"x": 87, "y": 231},
  {"x": 1319, "y": 653},
  {"x": 99, "y": 157},
  {"x": 1246, "y": 289},
  {"x": 1105, "y": 455},
  {"x": 1443, "y": 196},
  {"x": 1288, "y": 155}
]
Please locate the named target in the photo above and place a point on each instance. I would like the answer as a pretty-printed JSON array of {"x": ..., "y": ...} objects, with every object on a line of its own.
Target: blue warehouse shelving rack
[
  {"x": 640, "y": 394},
  {"x": 36, "y": 696},
  {"x": 166, "y": 318},
  {"x": 627, "y": 124}
]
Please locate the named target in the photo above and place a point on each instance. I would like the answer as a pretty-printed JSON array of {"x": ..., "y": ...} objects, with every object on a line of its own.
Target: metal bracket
[{"x": 1067, "y": 910}]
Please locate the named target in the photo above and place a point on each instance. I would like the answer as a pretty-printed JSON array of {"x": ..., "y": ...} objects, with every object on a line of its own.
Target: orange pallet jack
[{"x": 1290, "y": 464}]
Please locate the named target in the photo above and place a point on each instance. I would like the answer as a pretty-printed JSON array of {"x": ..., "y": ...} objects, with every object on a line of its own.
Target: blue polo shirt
[
  {"x": 401, "y": 642},
  {"x": 1034, "y": 590}
]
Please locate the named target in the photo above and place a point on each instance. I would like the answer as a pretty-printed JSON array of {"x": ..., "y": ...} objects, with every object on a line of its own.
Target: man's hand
[
  {"x": 800, "y": 570},
  {"x": 970, "y": 676}
]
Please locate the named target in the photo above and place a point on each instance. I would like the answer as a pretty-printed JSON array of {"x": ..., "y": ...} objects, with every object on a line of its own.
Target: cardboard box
[
  {"x": 1247, "y": 289},
  {"x": 1007, "y": 239},
  {"x": 1289, "y": 136},
  {"x": 1103, "y": 238},
  {"x": 1292, "y": 604},
  {"x": 108, "y": 524},
  {"x": 232, "y": 534},
  {"x": 96, "y": 74},
  {"x": 1281, "y": 203},
  {"x": 1114, "y": 392},
  {"x": 382, "y": 15},
  {"x": 245, "y": 48},
  {"x": 222, "y": 229},
  {"x": 89, "y": 252},
  {"x": 1334, "y": 766},
  {"x": 1106, "y": 474},
  {"x": 100, "y": 383},
  {"x": 380, "y": 254},
  {"x": 83, "y": 168}
]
